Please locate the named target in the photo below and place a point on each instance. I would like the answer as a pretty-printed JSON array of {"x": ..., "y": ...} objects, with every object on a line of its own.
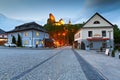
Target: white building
[
  {"x": 97, "y": 32},
  {"x": 3, "y": 37}
]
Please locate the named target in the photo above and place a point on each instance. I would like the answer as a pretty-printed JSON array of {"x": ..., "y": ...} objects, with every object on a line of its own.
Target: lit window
[
  {"x": 26, "y": 33},
  {"x": 37, "y": 42},
  {"x": 37, "y": 34},
  {"x": 42, "y": 42},
  {"x": 96, "y": 22},
  {"x": 26, "y": 42}
]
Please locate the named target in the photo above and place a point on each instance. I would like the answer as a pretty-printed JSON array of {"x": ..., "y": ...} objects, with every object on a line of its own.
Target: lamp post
[
  {"x": 110, "y": 40},
  {"x": 64, "y": 36},
  {"x": 43, "y": 39},
  {"x": 67, "y": 34}
]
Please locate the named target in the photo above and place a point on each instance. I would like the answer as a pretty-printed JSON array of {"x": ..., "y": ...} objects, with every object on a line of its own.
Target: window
[
  {"x": 11, "y": 35},
  {"x": 89, "y": 33},
  {"x": 103, "y": 33},
  {"x": 26, "y": 42},
  {"x": 26, "y": 33},
  {"x": 37, "y": 34},
  {"x": 42, "y": 42},
  {"x": 2, "y": 36},
  {"x": 96, "y": 22},
  {"x": 37, "y": 42}
]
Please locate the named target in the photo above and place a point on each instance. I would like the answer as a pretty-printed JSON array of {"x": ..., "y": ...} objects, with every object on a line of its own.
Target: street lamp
[
  {"x": 64, "y": 34},
  {"x": 43, "y": 41},
  {"x": 110, "y": 39}
]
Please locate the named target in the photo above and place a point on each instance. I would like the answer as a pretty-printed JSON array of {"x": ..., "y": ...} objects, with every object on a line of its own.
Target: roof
[
  {"x": 100, "y": 16},
  {"x": 28, "y": 26},
  {"x": 2, "y": 31},
  {"x": 98, "y": 26}
]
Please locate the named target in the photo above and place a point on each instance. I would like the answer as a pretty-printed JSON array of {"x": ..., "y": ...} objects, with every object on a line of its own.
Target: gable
[{"x": 97, "y": 21}]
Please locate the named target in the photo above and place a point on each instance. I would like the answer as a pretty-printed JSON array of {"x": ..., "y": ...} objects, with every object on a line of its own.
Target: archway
[{"x": 83, "y": 45}]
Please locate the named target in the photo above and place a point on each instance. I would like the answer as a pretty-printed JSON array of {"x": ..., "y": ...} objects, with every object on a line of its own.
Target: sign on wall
[
  {"x": 107, "y": 51},
  {"x": 97, "y": 35}
]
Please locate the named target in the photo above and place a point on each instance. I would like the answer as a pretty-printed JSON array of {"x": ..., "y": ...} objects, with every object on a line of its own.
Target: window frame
[
  {"x": 103, "y": 34},
  {"x": 90, "y": 33},
  {"x": 96, "y": 22}
]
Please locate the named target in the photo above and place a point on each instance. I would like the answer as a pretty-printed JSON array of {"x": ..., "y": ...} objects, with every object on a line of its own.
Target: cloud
[
  {"x": 93, "y": 3},
  {"x": 103, "y": 5}
]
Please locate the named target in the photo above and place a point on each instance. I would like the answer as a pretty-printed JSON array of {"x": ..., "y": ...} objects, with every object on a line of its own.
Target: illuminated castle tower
[
  {"x": 51, "y": 20},
  {"x": 61, "y": 21}
]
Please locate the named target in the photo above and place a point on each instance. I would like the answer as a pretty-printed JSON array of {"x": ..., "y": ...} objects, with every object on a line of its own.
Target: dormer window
[{"x": 97, "y": 22}]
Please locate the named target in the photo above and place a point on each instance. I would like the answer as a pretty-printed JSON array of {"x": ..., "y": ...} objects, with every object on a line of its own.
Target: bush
[
  {"x": 19, "y": 42},
  {"x": 118, "y": 48},
  {"x": 113, "y": 53},
  {"x": 14, "y": 40}
]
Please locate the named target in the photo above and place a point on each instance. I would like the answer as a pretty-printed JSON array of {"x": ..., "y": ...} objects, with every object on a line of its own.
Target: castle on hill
[{"x": 51, "y": 20}]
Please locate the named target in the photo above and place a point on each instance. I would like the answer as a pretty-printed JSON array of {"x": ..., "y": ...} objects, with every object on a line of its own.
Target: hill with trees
[{"x": 63, "y": 34}]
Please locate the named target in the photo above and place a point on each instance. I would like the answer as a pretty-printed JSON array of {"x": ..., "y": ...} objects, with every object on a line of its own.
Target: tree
[
  {"x": 116, "y": 35},
  {"x": 14, "y": 40},
  {"x": 19, "y": 42},
  {"x": 56, "y": 32}
]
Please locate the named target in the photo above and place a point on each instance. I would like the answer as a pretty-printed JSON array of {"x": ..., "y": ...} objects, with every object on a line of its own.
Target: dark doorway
[
  {"x": 75, "y": 44},
  {"x": 83, "y": 45}
]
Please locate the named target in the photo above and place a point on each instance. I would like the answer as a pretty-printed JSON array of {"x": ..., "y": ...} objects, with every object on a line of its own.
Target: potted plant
[
  {"x": 113, "y": 53},
  {"x": 101, "y": 49},
  {"x": 87, "y": 47}
]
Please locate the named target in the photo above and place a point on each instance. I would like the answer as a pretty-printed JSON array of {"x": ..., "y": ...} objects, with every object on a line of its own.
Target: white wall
[
  {"x": 96, "y": 31},
  {"x": 97, "y": 18}
]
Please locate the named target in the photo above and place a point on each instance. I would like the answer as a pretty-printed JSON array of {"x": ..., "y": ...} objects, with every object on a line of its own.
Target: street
[{"x": 52, "y": 64}]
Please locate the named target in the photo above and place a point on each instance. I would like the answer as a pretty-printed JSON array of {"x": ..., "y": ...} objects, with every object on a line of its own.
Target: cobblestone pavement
[
  {"x": 108, "y": 66},
  {"x": 56, "y": 64}
]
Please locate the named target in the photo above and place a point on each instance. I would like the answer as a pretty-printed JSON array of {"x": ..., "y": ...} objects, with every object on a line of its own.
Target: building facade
[
  {"x": 97, "y": 32},
  {"x": 3, "y": 37},
  {"x": 32, "y": 34}
]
